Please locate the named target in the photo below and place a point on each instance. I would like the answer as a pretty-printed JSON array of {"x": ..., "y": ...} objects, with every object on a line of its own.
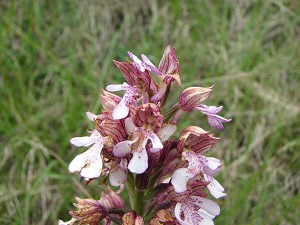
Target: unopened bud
[
  {"x": 190, "y": 98},
  {"x": 89, "y": 211},
  {"x": 109, "y": 101},
  {"x": 130, "y": 218}
]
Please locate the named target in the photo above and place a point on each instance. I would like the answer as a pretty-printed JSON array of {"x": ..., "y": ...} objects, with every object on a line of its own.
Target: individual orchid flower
[
  {"x": 170, "y": 69},
  {"x": 214, "y": 120},
  {"x": 89, "y": 163},
  {"x": 129, "y": 99},
  {"x": 189, "y": 99},
  {"x": 198, "y": 164},
  {"x": 196, "y": 210},
  {"x": 145, "y": 124},
  {"x": 118, "y": 174}
]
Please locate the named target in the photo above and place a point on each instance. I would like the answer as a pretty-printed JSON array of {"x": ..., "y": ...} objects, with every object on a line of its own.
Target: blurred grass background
[{"x": 56, "y": 55}]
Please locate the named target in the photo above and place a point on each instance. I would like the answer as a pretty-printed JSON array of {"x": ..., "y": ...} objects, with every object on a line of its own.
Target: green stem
[
  {"x": 171, "y": 112},
  {"x": 138, "y": 206}
]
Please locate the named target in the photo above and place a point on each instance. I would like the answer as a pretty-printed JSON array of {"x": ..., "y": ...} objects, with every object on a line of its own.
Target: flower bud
[
  {"x": 130, "y": 218},
  {"x": 89, "y": 211},
  {"x": 109, "y": 101},
  {"x": 196, "y": 139},
  {"x": 190, "y": 98},
  {"x": 163, "y": 217},
  {"x": 111, "y": 200}
]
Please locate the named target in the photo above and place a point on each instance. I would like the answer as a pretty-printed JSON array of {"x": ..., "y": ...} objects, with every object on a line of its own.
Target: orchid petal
[
  {"x": 210, "y": 109},
  {"x": 121, "y": 110},
  {"x": 167, "y": 131},
  {"x": 91, "y": 116},
  {"x": 89, "y": 163},
  {"x": 205, "y": 219},
  {"x": 122, "y": 148},
  {"x": 180, "y": 178},
  {"x": 82, "y": 141},
  {"x": 156, "y": 143},
  {"x": 177, "y": 213},
  {"x": 136, "y": 62},
  {"x": 216, "y": 121},
  {"x": 139, "y": 161},
  {"x": 146, "y": 60},
  {"x": 215, "y": 192},
  {"x": 70, "y": 222},
  {"x": 158, "y": 96},
  {"x": 117, "y": 87},
  {"x": 208, "y": 205},
  {"x": 129, "y": 126},
  {"x": 117, "y": 176}
]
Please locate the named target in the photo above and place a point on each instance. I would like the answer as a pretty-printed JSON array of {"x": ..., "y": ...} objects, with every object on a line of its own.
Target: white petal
[
  {"x": 208, "y": 205},
  {"x": 91, "y": 116},
  {"x": 177, "y": 213},
  {"x": 117, "y": 176},
  {"x": 217, "y": 185},
  {"x": 156, "y": 143},
  {"x": 215, "y": 191},
  {"x": 122, "y": 148},
  {"x": 206, "y": 220},
  {"x": 89, "y": 163},
  {"x": 121, "y": 110},
  {"x": 70, "y": 222},
  {"x": 94, "y": 169},
  {"x": 180, "y": 178},
  {"x": 139, "y": 162},
  {"x": 129, "y": 126},
  {"x": 82, "y": 141},
  {"x": 167, "y": 131},
  {"x": 117, "y": 87},
  {"x": 212, "y": 163},
  {"x": 206, "y": 213}
]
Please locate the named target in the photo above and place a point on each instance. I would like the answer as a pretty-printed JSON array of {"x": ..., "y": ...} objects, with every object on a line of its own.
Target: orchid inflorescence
[{"x": 133, "y": 144}]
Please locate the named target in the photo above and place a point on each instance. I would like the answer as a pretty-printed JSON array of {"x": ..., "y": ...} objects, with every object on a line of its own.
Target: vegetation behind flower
[{"x": 55, "y": 55}]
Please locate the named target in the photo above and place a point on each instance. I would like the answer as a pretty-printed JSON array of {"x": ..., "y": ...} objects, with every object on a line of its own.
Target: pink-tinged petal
[
  {"x": 167, "y": 131},
  {"x": 156, "y": 143},
  {"x": 129, "y": 126},
  {"x": 158, "y": 96},
  {"x": 216, "y": 121},
  {"x": 117, "y": 87},
  {"x": 210, "y": 109},
  {"x": 177, "y": 213},
  {"x": 146, "y": 60},
  {"x": 139, "y": 161},
  {"x": 208, "y": 205},
  {"x": 82, "y": 141},
  {"x": 91, "y": 116},
  {"x": 121, "y": 110},
  {"x": 117, "y": 176},
  {"x": 122, "y": 148},
  {"x": 136, "y": 62},
  {"x": 180, "y": 178}
]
